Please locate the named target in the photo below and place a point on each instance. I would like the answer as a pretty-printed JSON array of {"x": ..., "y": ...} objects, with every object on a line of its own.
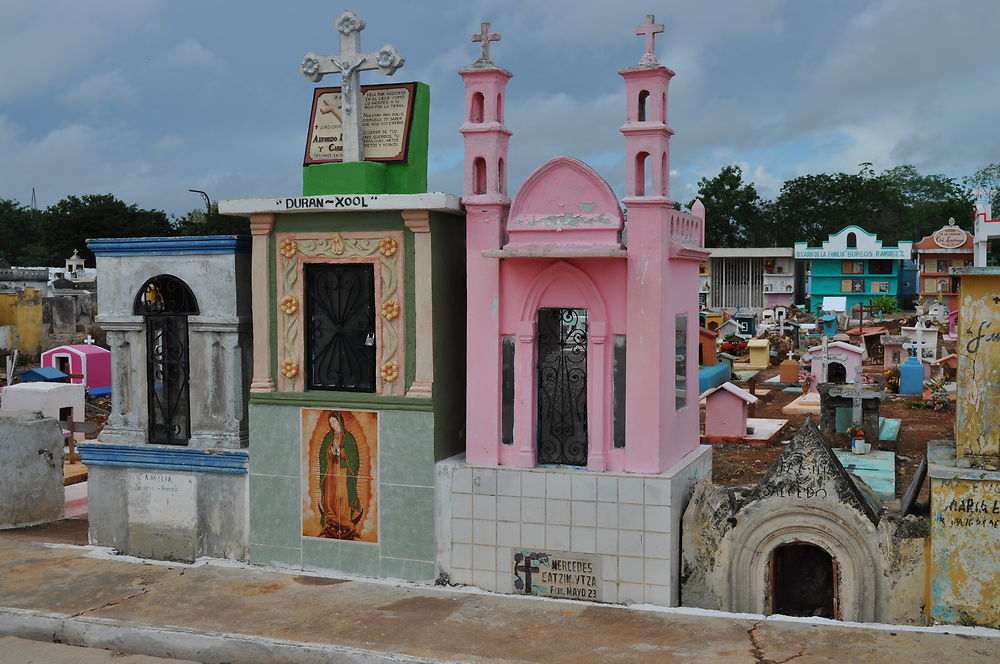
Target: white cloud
[
  {"x": 101, "y": 92},
  {"x": 191, "y": 54}
]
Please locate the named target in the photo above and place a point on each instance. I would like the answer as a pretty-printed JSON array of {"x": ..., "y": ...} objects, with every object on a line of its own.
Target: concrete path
[{"x": 226, "y": 613}]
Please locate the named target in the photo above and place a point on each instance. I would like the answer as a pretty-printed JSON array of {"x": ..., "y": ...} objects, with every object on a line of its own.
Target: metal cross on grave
[
  {"x": 349, "y": 63},
  {"x": 485, "y": 36},
  {"x": 856, "y": 393},
  {"x": 649, "y": 29},
  {"x": 825, "y": 357}
]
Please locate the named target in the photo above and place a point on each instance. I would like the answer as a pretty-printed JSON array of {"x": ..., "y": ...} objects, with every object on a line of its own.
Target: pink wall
[
  {"x": 725, "y": 415},
  {"x": 93, "y": 362}
]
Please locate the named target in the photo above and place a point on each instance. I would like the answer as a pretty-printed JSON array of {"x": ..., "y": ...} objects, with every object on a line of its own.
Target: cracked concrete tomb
[{"x": 808, "y": 540}]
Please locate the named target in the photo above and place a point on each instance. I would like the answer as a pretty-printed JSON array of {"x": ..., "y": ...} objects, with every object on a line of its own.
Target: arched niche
[{"x": 165, "y": 302}]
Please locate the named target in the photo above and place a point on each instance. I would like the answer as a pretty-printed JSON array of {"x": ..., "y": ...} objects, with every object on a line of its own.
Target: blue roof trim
[
  {"x": 232, "y": 462},
  {"x": 165, "y": 246}
]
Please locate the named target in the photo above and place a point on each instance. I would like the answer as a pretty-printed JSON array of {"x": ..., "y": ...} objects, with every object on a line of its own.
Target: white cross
[
  {"x": 485, "y": 36},
  {"x": 89, "y": 340},
  {"x": 825, "y": 357},
  {"x": 349, "y": 63},
  {"x": 649, "y": 30},
  {"x": 856, "y": 393}
]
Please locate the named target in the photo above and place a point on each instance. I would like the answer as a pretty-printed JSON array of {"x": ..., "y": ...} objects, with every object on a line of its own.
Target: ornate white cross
[
  {"x": 349, "y": 63},
  {"x": 649, "y": 30},
  {"x": 89, "y": 340},
  {"x": 485, "y": 36},
  {"x": 825, "y": 357},
  {"x": 856, "y": 394}
]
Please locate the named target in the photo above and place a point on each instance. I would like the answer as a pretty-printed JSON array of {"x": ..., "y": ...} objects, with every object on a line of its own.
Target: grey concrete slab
[{"x": 215, "y": 613}]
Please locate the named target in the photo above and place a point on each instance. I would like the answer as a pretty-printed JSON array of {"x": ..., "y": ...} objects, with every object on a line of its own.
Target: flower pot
[{"x": 858, "y": 445}]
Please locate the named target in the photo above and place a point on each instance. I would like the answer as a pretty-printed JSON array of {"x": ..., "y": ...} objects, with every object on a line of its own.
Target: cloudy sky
[{"x": 146, "y": 99}]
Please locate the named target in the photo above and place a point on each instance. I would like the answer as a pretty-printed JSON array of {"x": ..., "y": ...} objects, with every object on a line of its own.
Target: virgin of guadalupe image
[{"x": 344, "y": 475}]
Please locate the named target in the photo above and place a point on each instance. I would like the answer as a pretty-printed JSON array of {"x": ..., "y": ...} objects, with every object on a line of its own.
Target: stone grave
[
  {"x": 31, "y": 456},
  {"x": 809, "y": 539},
  {"x": 965, "y": 473},
  {"x": 760, "y": 354},
  {"x": 167, "y": 475}
]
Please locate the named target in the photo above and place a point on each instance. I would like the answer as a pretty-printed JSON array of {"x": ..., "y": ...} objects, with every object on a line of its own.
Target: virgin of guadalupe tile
[{"x": 340, "y": 474}]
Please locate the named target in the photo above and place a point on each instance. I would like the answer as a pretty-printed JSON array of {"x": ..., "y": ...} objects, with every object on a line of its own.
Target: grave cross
[
  {"x": 856, "y": 394},
  {"x": 920, "y": 344},
  {"x": 528, "y": 569},
  {"x": 349, "y": 63},
  {"x": 89, "y": 340},
  {"x": 825, "y": 357},
  {"x": 649, "y": 30},
  {"x": 485, "y": 36}
]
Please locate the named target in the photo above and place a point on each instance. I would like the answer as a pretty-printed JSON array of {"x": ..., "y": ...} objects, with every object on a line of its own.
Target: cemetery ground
[{"x": 738, "y": 465}]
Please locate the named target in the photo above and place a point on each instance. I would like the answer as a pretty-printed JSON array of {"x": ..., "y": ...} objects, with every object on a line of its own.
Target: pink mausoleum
[
  {"x": 582, "y": 432},
  {"x": 559, "y": 249}
]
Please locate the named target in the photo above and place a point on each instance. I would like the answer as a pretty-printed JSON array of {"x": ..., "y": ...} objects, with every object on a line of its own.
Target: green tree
[
  {"x": 736, "y": 215},
  {"x": 988, "y": 178},
  {"x": 68, "y": 224},
  {"x": 19, "y": 233},
  {"x": 198, "y": 222},
  {"x": 927, "y": 201}
]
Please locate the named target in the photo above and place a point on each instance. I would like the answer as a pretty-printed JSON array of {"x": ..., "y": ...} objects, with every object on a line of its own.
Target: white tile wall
[{"x": 630, "y": 520}]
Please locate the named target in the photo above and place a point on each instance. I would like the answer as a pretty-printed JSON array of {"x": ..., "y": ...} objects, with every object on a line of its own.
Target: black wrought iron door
[
  {"x": 167, "y": 379},
  {"x": 340, "y": 310},
  {"x": 562, "y": 386}
]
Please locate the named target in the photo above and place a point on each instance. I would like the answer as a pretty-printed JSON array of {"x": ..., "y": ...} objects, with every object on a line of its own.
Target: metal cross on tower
[
  {"x": 649, "y": 29},
  {"x": 485, "y": 36},
  {"x": 349, "y": 63}
]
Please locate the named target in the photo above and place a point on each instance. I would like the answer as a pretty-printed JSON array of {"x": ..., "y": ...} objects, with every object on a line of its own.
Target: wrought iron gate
[
  {"x": 562, "y": 386},
  {"x": 165, "y": 302},
  {"x": 167, "y": 375},
  {"x": 340, "y": 314}
]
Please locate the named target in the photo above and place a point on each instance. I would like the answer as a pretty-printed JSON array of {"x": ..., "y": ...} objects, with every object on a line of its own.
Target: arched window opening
[
  {"x": 165, "y": 302},
  {"x": 642, "y": 175},
  {"x": 836, "y": 373},
  {"x": 641, "y": 111},
  {"x": 479, "y": 175},
  {"x": 500, "y": 176},
  {"x": 803, "y": 581},
  {"x": 852, "y": 240},
  {"x": 499, "y": 107},
  {"x": 663, "y": 108},
  {"x": 476, "y": 112}
]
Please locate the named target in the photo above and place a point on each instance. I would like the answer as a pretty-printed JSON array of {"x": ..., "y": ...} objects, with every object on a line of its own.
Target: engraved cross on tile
[
  {"x": 485, "y": 36},
  {"x": 527, "y": 569},
  {"x": 649, "y": 29},
  {"x": 349, "y": 63}
]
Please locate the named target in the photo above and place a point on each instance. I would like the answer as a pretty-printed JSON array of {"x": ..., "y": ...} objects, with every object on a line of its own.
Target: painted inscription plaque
[
  {"x": 555, "y": 574},
  {"x": 385, "y": 123},
  {"x": 167, "y": 499},
  {"x": 340, "y": 474}
]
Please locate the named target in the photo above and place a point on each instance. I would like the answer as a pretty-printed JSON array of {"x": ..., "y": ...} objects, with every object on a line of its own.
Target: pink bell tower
[
  {"x": 661, "y": 416},
  {"x": 487, "y": 204}
]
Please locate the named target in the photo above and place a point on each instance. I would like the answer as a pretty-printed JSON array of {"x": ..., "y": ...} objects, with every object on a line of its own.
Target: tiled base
[{"x": 629, "y": 522}]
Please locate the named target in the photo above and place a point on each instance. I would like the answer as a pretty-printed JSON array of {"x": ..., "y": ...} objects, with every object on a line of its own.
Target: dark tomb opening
[
  {"x": 803, "y": 581},
  {"x": 562, "y": 386},
  {"x": 836, "y": 373}
]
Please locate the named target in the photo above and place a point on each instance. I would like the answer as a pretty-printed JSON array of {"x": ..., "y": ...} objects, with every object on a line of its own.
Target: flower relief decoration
[
  {"x": 289, "y": 305},
  {"x": 384, "y": 251},
  {"x": 389, "y": 371}
]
